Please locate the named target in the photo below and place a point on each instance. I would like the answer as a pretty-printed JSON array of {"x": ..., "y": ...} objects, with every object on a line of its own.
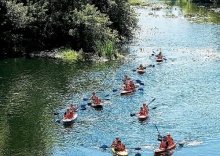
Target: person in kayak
[
  {"x": 141, "y": 67},
  {"x": 145, "y": 108},
  {"x": 115, "y": 142},
  {"x": 160, "y": 56},
  {"x": 120, "y": 146},
  {"x": 127, "y": 87},
  {"x": 142, "y": 112},
  {"x": 126, "y": 79},
  {"x": 164, "y": 143},
  {"x": 169, "y": 139},
  {"x": 68, "y": 114},
  {"x": 94, "y": 99},
  {"x": 132, "y": 86}
]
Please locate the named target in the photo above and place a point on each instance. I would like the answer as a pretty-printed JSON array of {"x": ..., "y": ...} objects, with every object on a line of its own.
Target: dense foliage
[{"x": 35, "y": 25}]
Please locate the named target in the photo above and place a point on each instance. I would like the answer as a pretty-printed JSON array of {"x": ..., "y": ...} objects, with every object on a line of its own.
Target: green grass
[
  {"x": 137, "y": 2},
  {"x": 71, "y": 55}
]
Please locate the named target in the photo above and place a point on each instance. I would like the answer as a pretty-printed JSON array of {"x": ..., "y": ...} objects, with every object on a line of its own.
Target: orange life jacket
[
  {"x": 169, "y": 140},
  {"x": 69, "y": 115},
  {"x": 131, "y": 84},
  {"x": 120, "y": 147},
  {"x": 114, "y": 143},
  {"x": 127, "y": 87},
  {"x": 163, "y": 144},
  {"x": 142, "y": 112},
  {"x": 97, "y": 101}
]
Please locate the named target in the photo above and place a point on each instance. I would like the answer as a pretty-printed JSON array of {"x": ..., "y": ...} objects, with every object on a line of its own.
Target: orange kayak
[
  {"x": 159, "y": 60},
  {"x": 142, "y": 117},
  {"x": 163, "y": 150},
  {"x": 124, "y": 92},
  {"x": 140, "y": 71}
]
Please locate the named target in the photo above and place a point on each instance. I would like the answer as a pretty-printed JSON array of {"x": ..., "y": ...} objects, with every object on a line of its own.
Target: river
[{"x": 185, "y": 88}]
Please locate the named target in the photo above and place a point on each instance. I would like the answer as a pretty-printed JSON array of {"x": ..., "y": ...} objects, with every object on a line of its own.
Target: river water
[{"x": 186, "y": 88}]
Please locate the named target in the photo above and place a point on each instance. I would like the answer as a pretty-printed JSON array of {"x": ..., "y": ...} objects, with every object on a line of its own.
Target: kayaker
[
  {"x": 115, "y": 142},
  {"x": 97, "y": 101},
  {"x": 127, "y": 87},
  {"x": 141, "y": 67},
  {"x": 145, "y": 108},
  {"x": 68, "y": 114},
  {"x": 160, "y": 56},
  {"x": 120, "y": 146},
  {"x": 131, "y": 84},
  {"x": 169, "y": 139},
  {"x": 126, "y": 79},
  {"x": 93, "y": 98},
  {"x": 142, "y": 112},
  {"x": 164, "y": 143}
]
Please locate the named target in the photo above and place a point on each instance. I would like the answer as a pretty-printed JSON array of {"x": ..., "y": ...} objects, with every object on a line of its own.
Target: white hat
[{"x": 168, "y": 133}]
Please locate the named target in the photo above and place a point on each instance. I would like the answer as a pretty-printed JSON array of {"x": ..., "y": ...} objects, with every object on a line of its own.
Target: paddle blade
[
  {"x": 104, "y": 146},
  {"x": 83, "y": 107},
  {"x": 57, "y": 121},
  {"x": 154, "y": 108},
  {"x": 153, "y": 99},
  {"x": 132, "y": 115},
  {"x": 138, "y": 81},
  {"x": 138, "y": 148},
  {"x": 85, "y": 99},
  {"x": 107, "y": 95},
  {"x": 142, "y": 83},
  {"x": 114, "y": 90},
  {"x": 56, "y": 113},
  {"x": 140, "y": 89}
]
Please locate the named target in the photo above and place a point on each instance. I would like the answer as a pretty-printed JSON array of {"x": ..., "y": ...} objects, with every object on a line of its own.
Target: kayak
[
  {"x": 70, "y": 121},
  {"x": 162, "y": 150},
  {"x": 142, "y": 117},
  {"x": 120, "y": 153},
  {"x": 98, "y": 106},
  {"x": 124, "y": 92},
  {"x": 140, "y": 71},
  {"x": 159, "y": 60}
]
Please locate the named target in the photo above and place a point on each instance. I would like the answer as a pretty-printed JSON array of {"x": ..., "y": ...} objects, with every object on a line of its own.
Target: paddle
[
  {"x": 157, "y": 130},
  {"x": 105, "y": 147},
  {"x": 151, "y": 101},
  {"x": 153, "y": 53}
]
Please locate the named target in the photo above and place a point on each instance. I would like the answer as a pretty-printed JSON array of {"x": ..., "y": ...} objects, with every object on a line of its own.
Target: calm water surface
[{"x": 186, "y": 88}]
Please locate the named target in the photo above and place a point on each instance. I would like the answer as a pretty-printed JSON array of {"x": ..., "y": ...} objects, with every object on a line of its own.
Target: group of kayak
[
  {"x": 70, "y": 114},
  {"x": 142, "y": 69},
  {"x": 166, "y": 146},
  {"x": 166, "y": 142},
  {"x": 118, "y": 148}
]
